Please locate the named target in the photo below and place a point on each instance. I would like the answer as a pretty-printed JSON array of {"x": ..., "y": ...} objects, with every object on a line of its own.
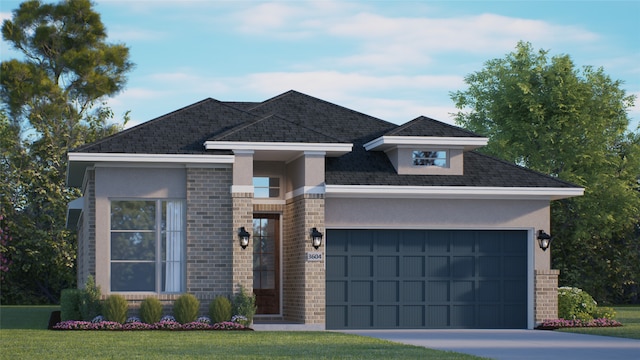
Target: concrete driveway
[{"x": 515, "y": 344}]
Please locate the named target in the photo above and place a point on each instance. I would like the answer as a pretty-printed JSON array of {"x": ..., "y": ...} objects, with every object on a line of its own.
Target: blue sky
[{"x": 395, "y": 60}]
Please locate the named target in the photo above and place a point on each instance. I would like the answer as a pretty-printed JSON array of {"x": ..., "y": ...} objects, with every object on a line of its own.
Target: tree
[
  {"x": 545, "y": 114},
  {"x": 52, "y": 100}
]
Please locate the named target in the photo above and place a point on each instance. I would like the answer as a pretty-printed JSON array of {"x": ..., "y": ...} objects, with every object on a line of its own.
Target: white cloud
[{"x": 5, "y": 16}]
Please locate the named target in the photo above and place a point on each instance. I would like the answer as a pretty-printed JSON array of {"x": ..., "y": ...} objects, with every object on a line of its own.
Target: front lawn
[
  {"x": 43, "y": 344},
  {"x": 628, "y": 315},
  {"x": 23, "y": 334}
]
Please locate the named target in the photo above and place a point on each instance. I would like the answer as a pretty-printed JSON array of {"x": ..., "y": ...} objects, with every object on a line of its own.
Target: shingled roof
[{"x": 296, "y": 117}]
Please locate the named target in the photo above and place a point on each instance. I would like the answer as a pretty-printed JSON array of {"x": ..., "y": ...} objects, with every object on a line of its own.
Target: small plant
[
  {"x": 244, "y": 304},
  {"x": 115, "y": 308},
  {"x": 220, "y": 309},
  {"x": 150, "y": 310},
  {"x": 90, "y": 300},
  {"x": 574, "y": 303},
  {"x": 186, "y": 308},
  {"x": 604, "y": 313},
  {"x": 70, "y": 300}
]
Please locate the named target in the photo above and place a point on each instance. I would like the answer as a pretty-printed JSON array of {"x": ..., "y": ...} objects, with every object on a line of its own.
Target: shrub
[
  {"x": 220, "y": 309},
  {"x": 244, "y": 304},
  {"x": 150, "y": 310},
  {"x": 70, "y": 300},
  {"x": 115, "y": 308},
  {"x": 90, "y": 305},
  {"x": 573, "y": 303},
  {"x": 186, "y": 308},
  {"x": 604, "y": 313}
]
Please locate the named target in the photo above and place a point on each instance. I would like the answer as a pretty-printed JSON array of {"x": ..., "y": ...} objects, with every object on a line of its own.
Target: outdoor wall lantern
[
  {"x": 544, "y": 240},
  {"x": 243, "y": 236},
  {"x": 316, "y": 238}
]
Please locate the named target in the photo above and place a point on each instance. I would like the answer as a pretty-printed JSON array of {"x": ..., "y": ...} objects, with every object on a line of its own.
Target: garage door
[{"x": 411, "y": 279}]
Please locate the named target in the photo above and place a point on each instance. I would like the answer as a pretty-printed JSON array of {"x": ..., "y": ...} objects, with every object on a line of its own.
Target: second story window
[
  {"x": 266, "y": 187},
  {"x": 429, "y": 158}
]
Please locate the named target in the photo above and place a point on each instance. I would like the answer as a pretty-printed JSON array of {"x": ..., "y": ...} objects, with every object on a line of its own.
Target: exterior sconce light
[
  {"x": 316, "y": 238},
  {"x": 544, "y": 240},
  {"x": 243, "y": 236}
]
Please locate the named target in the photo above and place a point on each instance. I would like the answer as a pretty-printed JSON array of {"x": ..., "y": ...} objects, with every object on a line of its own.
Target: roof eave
[
  {"x": 384, "y": 143},
  {"x": 330, "y": 149},
  {"x": 451, "y": 192}
]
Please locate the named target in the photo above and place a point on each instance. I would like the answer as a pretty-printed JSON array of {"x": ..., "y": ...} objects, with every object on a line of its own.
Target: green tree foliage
[
  {"x": 545, "y": 114},
  {"x": 53, "y": 99}
]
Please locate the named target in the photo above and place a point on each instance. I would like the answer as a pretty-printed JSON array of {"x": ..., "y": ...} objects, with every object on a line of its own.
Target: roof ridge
[
  {"x": 248, "y": 124},
  {"x": 290, "y": 92},
  {"x": 437, "y": 122}
]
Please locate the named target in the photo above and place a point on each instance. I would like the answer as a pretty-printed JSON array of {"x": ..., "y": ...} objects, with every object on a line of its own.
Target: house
[{"x": 415, "y": 228}]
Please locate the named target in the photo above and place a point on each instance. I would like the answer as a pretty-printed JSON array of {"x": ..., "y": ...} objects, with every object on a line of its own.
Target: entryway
[{"x": 266, "y": 263}]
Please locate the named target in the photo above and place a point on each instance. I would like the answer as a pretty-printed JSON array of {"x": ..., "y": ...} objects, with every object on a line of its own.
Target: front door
[{"x": 266, "y": 263}]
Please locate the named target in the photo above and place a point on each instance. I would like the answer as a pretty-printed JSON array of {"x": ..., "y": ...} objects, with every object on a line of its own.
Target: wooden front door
[{"x": 266, "y": 263}]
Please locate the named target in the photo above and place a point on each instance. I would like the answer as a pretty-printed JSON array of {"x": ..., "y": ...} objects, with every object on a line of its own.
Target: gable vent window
[
  {"x": 266, "y": 187},
  {"x": 430, "y": 158}
]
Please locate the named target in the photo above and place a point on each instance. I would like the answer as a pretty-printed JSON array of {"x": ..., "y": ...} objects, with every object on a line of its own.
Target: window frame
[
  {"x": 160, "y": 237},
  {"x": 433, "y": 159},
  {"x": 269, "y": 188}
]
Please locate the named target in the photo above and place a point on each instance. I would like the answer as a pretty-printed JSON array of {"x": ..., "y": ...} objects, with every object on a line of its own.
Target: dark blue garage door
[{"x": 411, "y": 279}]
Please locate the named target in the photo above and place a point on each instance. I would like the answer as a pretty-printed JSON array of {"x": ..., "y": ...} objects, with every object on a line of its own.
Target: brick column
[
  {"x": 546, "y": 295},
  {"x": 242, "y": 258},
  {"x": 303, "y": 281}
]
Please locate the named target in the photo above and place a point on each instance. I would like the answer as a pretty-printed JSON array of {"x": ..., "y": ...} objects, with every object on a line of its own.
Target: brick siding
[{"x": 546, "y": 295}]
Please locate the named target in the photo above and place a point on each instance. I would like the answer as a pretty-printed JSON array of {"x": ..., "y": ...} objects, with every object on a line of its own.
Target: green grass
[
  {"x": 629, "y": 316},
  {"x": 47, "y": 344},
  {"x": 25, "y": 317},
  {"x": 23, "y": 336}
]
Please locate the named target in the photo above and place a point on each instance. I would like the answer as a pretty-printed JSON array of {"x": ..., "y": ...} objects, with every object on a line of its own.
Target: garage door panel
[
  {"x": 337, "y": 266},
  {"x": 413, "y": 242},
  {"x": 426, "y": 279},
  {"x": 463, "y": 291},
  {"x": 361, "y": 316},
  {"x": 489, "y": 291},
  {"x": 438, "y": 291},
  {"x": 413, "y": 291},
  {"x": 438, "y": 316},
  {"x": 388, "y": 266},
  {"x": 361, "y": 266},
  {"x": 337, "y": 316},
  {"x": 463, "y": 316},
  {"x": 490, "y": 316},
  {"x": 413, "y": 267},
  {"x": 337, "y": 291},
  {"x": 515, "y": 291},
  {"x": 463, "y": 267},
  {"x": 489, "y": 267},
  {"x": 463, "y": 243},
  {"x": 361, "y": 292},
  {"x": 362, "y": 241},
  {"x": 388, "y": 291},
  {"x": 438, "y": 266},
  {"x": 388, "y": 316},
  {"x": 412, "y": 316},
  {"x": 513, "y": 266}
]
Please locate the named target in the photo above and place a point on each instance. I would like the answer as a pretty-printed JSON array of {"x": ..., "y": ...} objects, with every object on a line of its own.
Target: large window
[
  {"x": 429, "y": 158},
  {"x": 147, "y": 245}
]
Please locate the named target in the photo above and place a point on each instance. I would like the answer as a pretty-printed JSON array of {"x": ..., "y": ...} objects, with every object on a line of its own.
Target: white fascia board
[
  {"x": 151, "y": 158},
  {"x": 331, "y": 149},
  {"x": 451, "y": 192},
  {"x": 386, "y": 142}
]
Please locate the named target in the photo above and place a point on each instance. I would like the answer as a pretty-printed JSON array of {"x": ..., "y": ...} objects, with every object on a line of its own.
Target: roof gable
[{"x": 424, "y": 126}]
